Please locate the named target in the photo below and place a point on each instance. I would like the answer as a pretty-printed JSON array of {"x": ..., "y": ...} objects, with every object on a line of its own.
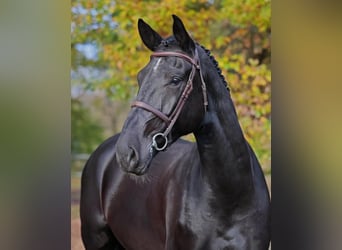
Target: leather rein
[{"x": 170, "y": 120}]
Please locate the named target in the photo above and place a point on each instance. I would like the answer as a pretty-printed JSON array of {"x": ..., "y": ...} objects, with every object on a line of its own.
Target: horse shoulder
[
  {"x": 95, "y": 232},
  {"x": 98, "y": 162}
]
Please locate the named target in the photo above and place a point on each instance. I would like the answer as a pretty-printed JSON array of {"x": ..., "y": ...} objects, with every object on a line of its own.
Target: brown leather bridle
[{"x": 170, "y": 120}]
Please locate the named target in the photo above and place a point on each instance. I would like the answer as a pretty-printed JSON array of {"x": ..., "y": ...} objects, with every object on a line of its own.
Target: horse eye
[{"x": 176, "y": 80}]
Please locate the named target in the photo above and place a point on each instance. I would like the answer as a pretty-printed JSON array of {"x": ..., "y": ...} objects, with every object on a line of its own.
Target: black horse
[{"x": 146, "y": 189}]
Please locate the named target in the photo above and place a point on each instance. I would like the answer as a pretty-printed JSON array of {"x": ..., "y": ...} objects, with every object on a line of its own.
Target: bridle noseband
[{"x": 170, "y": 120}]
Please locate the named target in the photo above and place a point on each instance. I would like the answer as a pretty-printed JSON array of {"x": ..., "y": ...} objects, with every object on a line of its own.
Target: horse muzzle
[{"x": 130, "y": 159}]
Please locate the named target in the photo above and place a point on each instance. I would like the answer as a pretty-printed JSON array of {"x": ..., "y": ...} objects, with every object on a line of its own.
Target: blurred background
[
  {"x": 107, "y": 53},
  {"x": 35, "y": 126}
]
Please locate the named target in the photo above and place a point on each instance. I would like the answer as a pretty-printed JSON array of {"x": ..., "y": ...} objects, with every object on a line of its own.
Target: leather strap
[
  {"x": 177, "y": 54},
  {"x": 153, "y": 110},
  {"x": 170, "y": 121}
]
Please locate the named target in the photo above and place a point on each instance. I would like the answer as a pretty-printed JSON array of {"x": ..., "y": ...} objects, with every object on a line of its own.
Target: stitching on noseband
[{"x": 170, "y": 120}]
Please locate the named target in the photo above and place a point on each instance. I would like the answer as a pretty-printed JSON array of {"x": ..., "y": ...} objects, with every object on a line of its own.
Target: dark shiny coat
[{"x": 208, "y": 195}]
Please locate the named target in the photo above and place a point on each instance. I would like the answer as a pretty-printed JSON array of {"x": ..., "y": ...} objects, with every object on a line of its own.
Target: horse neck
[{"x": 224, "y": 152}]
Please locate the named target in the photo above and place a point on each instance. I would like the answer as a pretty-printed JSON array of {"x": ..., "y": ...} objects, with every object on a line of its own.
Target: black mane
[{"x": 213, "y": 60}]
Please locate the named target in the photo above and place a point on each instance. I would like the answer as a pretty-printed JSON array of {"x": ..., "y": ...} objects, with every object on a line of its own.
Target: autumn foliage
[{"x": 238, "y": 33}]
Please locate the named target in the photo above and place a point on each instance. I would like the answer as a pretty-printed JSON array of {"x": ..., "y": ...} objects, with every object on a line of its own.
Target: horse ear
[
  {"x": 149, "y": 37},
  {"x": 181, "y": 35}
]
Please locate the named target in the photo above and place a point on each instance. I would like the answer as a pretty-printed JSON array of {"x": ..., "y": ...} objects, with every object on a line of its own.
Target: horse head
[{"x": 169, "y": 103}]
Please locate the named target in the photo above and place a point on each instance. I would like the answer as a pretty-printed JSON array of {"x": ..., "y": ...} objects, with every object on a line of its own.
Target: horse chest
[
  {"x": 135, "y": 221},
  {"x": 200, "y": 224},
  {"x": 207, "y": 232}
]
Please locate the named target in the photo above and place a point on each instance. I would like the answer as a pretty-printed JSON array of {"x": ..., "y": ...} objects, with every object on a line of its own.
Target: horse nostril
[{"x": 132, "y": 157}]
